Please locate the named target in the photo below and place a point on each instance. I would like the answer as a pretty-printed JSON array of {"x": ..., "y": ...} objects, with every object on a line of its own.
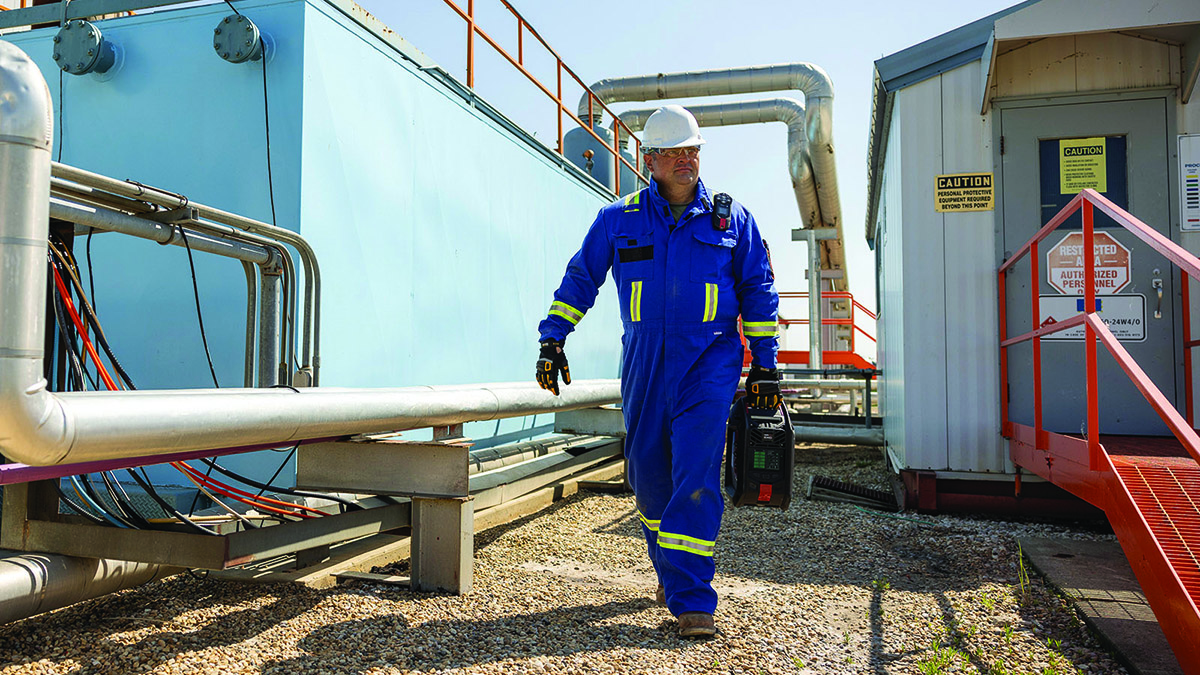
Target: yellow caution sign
[
  {"x": 964, "y": 192},
  {"x": 1082, "y": 164}
]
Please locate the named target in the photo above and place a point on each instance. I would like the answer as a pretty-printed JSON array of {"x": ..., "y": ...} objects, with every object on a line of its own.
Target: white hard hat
[{"x": 671, "y": 126}]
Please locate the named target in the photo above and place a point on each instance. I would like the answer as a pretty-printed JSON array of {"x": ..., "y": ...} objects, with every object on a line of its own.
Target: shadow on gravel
[
  {"x": 88, "y": 633},
  {"x": 389, "y": 642}
]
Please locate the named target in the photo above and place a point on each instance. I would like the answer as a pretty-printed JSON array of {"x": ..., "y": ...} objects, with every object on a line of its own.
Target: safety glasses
[{"x": 672, "y": 153}]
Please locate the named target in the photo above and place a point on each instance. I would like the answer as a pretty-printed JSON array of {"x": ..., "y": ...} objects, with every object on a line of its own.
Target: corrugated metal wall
[
  {"x": 939, "y": 341},
  {"x": 890, "y": 243}
]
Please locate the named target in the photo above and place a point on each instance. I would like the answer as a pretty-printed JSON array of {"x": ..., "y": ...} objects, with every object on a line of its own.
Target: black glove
[
  {"x": 762, "y": 388},
  {"x": 551, "y": 360}
]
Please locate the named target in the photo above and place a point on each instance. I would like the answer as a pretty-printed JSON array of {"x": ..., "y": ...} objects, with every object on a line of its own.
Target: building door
[{"x": 1048, "y": 154}]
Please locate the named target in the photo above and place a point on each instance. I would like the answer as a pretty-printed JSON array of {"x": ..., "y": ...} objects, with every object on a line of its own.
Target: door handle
[{"x": 1157, "y": 285}]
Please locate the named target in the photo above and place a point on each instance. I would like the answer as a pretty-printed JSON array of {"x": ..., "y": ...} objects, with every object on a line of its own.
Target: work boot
[
  {"x": 696, "y": 624},
  {"x": 660, "y": 595}
]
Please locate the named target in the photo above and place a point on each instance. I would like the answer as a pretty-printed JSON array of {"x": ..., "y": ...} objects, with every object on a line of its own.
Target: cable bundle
[{"x": 75, "y": 332}]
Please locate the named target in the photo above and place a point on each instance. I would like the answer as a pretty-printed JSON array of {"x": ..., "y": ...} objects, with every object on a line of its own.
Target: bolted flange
[
  {"x": 237, "y": 40},
  {"x": 80, "y": 48}
]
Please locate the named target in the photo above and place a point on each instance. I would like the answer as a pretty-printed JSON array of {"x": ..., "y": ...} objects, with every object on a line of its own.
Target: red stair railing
[{"x": 1152, "y": 506}]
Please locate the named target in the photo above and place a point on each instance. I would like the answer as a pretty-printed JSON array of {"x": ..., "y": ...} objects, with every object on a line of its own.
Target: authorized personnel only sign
[
  {"x": 1125, "y": 315},
  {"x": 1064, "y": 264},
  {"x": 964, "y": 192}
]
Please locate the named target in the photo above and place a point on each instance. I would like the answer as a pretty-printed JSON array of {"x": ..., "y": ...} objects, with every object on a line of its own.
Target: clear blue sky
[{"x": 627, "y": 37}]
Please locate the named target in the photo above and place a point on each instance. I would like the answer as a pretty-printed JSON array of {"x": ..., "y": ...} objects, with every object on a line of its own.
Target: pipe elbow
[
  {"x": 35, "y": 428},
  {"x": 25, "y": 107}
]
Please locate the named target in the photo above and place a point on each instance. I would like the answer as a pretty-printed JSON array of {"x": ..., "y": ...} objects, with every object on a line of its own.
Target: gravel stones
[{"x": 820, "y": 588}]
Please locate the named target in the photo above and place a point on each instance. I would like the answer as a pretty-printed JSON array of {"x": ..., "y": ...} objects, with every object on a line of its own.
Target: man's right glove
[
  {"x": 762, "y": 388},
  {"x": 551, "y": 360}
]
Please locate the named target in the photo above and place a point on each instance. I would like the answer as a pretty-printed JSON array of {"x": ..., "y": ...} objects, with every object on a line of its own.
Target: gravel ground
[{"x": 821, "y": 588}]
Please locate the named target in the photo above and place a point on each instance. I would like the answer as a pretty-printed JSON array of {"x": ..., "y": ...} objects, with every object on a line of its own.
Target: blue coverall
[{"x": 681, "y": 287}]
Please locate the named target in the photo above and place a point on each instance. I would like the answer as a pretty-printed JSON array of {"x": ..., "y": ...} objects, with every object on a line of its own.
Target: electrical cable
[
  {"x": 66, "y": 499},
  {"x": 261, "y": 501},
  {"x": 201, "y": 478},
  {"x": 266, "y": 486},
  {"x": 199, "y": 316},
  {"x": 70, "y": 306},
  {"x": 218, "y": 502},
  {"x": 149, "y": 488},
  {"x": 82, "y": 492},
  {"x": 121, "y": 504},
  {"x": 90, "y": 315}
]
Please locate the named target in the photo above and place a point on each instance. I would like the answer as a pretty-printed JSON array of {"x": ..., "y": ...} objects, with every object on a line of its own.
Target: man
[{"x": 684, "y": 273}]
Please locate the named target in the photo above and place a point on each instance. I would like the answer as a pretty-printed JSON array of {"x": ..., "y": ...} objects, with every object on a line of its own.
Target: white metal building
[{"x": 986, "y": 99}]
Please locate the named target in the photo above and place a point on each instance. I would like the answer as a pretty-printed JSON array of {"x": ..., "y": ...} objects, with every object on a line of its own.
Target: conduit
[
  {"x": 818, "y": 100},
  {"x": 38, "y": 427},
  {"x": 786, "y": 110}
]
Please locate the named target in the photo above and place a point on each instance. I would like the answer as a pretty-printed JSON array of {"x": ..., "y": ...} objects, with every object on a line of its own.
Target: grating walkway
[{"x": 1167, "y": 493}]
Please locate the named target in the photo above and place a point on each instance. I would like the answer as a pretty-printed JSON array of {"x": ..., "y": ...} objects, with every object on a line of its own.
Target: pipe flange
[
  {"x": 237, "y": 40},
  {"x": 80, "y": 48}
]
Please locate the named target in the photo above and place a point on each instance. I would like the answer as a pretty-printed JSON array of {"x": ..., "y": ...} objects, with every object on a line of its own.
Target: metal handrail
[
  {"x": 1094, "y": 326},
  {"x": 556, "y": 96},
  {"x": 828, "y": 321}
]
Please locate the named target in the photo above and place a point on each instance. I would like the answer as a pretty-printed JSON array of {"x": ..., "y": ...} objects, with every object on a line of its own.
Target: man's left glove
[
  {"x": 762, "y": 388},
  {"x": 551, "y": 360}
]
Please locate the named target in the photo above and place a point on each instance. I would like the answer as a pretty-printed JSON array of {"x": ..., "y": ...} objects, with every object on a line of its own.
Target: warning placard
[
  {"x": 1082, "y": 163},
  {"x": 964, "y": 192},
  {"x": 1125, "y": 315},
  {"x": 1064, "y": 264}
]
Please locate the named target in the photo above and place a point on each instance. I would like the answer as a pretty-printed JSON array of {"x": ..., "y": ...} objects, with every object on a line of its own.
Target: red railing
[
  {"x": 1190, "y": 266},
  {"x": 556, "y": 96},
  {"x": 1055, "y": 457},
  {"x": 830, "y": 357}
]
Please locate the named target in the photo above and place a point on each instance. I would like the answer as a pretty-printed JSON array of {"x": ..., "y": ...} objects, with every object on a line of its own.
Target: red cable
[
  {"x": 207, "y": 481},
  {"x": 230, "y": 492},
  {"x": 87, "y": 344}
]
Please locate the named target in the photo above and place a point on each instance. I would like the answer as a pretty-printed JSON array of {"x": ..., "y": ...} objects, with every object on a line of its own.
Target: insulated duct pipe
[
  {"x": 32, "y": 583},
  {"x": 786, "y": 110},
  {"x": 38, "y": 427}
]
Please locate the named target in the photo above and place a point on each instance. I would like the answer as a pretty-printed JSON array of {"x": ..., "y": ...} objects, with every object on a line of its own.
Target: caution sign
[
  {"x": 964, "y": 192},
  {"x": 1082, "y": 163},
  {"x": 1125, "y": 316},
  {"x": 1064, "y": 264}
]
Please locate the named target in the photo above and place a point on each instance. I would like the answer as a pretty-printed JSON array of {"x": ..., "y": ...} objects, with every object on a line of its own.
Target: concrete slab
[{"x": 1097, "y": 578}]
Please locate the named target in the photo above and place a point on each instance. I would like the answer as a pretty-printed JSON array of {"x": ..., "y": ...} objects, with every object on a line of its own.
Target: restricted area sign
[{"x": 1064, "y": 264}]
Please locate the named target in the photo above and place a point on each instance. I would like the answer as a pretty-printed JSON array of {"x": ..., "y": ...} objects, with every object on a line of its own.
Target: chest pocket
[
  {"x": 635, "y": 256},
  {"x": 712, "y": 254}
]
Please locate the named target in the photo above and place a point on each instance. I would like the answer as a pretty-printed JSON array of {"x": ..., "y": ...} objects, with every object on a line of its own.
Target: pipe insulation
[
  {"x": 38, "y": 427},
  {"x": 32, "y": 583},
  {"x": 786, "y": 110}
]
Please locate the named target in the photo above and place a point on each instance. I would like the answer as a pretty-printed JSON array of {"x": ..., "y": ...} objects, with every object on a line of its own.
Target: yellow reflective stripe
[
  {"x": 759, "y": 328},
  {"x": 652, "y": 525},
  {"x": 682, "y": 542},
  {"x": 710, "y": 302},
  {"x": 566, "y": 311},
  {"x": 635, "y": 302},
  {"x": 633, "y": 198}
]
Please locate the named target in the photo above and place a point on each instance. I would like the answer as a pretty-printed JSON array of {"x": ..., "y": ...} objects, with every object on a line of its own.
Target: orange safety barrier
[
  {"x": 831, "y": 357},
  {"x": 1149, "y": 497},
  {"x": 523, "y": 27}
]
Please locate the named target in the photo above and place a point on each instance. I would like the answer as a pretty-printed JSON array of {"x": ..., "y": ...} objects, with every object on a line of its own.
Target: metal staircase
[{"x": 1149, "y": 488}]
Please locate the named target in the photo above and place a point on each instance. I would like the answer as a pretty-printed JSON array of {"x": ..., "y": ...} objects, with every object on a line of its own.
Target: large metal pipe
[
  {"x": 38, "y": 427},
  {"x": 32, "y": 583},
  {"x": 808, "y": 78},
  {"x": 786, "y": 110}
]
